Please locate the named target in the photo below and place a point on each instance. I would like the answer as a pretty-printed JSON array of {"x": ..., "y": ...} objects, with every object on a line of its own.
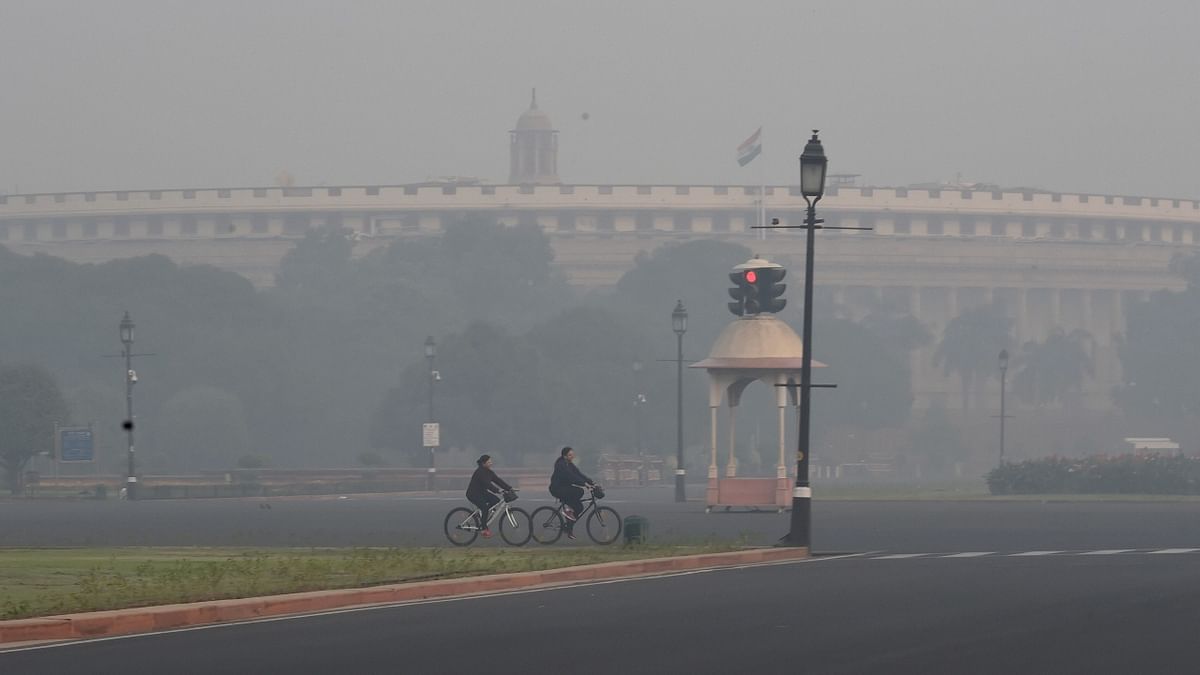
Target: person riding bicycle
[
  {"x": 481, "y": 491},
  {"x": 564, "y": 484}
]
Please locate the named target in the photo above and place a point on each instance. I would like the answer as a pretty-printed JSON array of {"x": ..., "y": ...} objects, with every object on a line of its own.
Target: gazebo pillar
[
  {"x": 712, "y": 466},
  {"x": 731, "y": 467}
]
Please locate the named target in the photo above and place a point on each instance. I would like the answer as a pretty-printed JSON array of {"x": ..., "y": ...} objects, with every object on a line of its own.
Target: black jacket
[
  {"x": 567, "y": 474},
  {"x": 481, "y": 483}
]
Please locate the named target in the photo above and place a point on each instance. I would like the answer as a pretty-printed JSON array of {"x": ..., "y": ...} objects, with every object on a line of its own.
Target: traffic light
[
  {"x": 757, "y": 291},
  {"x": 744, "y": 292},
  {"x": 769, "y": 289}
]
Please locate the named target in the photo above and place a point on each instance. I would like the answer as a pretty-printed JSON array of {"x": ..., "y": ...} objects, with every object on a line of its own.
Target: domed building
[{"x": 533, "y": 148}]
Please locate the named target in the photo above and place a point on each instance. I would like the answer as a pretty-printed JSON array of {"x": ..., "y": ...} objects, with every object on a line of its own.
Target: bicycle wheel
[
  {"x": 547, "y": 525},
  {"x": 515, "y": 534},
  {"x": 460, "y": 526},
  {"x": 604, "y": 525}
]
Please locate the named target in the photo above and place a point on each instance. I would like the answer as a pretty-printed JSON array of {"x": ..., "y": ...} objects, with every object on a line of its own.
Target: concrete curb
[{"x": 164, "y": 617}]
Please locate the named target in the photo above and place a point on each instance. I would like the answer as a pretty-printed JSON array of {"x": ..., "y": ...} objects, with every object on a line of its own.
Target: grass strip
[{"x": 45, "y": 582}]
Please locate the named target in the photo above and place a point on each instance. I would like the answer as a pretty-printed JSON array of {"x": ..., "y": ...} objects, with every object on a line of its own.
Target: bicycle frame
[{"x": 502, "y": 507}]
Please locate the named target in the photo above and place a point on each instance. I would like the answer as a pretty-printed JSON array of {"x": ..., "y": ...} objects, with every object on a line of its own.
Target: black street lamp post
[
  {"x": 679, "y": 319},
  {"x": 430, "y": 353},
  {"x": 812, "y": 185},
  {"x": 126, "y": 328},
  {"x": 1003, "y": 377}
]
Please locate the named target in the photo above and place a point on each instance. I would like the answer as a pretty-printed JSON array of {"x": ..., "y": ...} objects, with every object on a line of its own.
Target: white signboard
[{"x": 430, "y": 434}]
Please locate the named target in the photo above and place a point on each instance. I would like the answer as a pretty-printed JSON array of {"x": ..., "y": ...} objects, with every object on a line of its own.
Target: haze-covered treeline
[{"x": 330, "y": 364}]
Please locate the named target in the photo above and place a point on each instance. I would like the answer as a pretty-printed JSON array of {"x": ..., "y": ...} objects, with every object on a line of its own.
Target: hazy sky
[{"x": 1095, "y": 96}]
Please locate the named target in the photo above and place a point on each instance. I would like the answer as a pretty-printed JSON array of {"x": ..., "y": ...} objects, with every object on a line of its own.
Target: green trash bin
[{"x": 637, "y": 530}]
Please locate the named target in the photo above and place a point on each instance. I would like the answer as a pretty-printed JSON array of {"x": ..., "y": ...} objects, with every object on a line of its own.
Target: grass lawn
[{"x": 42, "y": 582}]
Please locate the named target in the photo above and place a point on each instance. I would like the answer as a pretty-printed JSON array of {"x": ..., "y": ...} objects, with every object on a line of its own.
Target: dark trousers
[
  {"x": 484, "y": 503},
  {"x": 571, "y": 496}
]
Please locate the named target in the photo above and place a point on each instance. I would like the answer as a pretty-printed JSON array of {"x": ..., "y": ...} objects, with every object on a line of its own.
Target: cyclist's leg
[
  {"x": 492, "y": 501},
  {"x": 572, "y": 497},
  {"x": 481, "y": 517}
]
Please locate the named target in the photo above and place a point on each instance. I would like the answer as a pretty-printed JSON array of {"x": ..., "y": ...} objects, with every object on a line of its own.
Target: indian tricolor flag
[{"x": 750, "y": 148}]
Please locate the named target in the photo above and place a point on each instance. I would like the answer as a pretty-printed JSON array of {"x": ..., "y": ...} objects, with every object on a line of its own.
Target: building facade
[{"x": 1053, "y": 260}]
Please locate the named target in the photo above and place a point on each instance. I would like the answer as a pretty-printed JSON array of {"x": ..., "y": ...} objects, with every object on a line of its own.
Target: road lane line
[
  {"x": 969, "y": 554},
  {"x": 1033, "y": 553},
  {"x": 1175, "y": 550},
  {"x": 900, "y": 556},
  {"x": 1109, "y": 551}
]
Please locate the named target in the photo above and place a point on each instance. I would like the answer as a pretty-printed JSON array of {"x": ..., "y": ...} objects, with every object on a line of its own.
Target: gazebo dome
[{"x": 757, "y": 342}]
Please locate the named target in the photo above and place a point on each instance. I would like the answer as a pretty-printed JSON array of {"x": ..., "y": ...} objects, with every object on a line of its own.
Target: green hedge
[{"x": 1121, "y": 474}]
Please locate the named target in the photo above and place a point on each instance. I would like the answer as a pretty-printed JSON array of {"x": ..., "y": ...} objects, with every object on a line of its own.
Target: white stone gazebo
[{"x": 752, "y": 348}]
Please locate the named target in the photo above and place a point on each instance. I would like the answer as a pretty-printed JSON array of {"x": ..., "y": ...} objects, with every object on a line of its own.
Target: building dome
[
  {"x": 534, "y": 119},
  {"x": 533, "y": 148}
]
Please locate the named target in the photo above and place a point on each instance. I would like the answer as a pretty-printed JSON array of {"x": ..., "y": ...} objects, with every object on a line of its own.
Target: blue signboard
[{"x": 75, "y": 445}]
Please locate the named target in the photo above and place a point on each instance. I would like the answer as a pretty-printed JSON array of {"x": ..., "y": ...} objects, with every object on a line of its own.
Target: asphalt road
[
  {"x": 1083, "y": 612},
  {"x": 392, "y": 520}
]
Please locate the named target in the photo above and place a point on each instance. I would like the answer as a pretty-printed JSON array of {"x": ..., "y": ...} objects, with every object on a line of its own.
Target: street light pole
[
  {"x": 126, "y": 329},
  {"x": 679, "y": 319},
  {"x": 430, "y": 353},
  {"x": 1003, "y": 378},
  {"x": 638, "y": 400},
  {"x": 812, "y": 185}
]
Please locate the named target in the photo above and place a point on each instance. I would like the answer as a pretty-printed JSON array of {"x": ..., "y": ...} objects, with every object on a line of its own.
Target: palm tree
[
  {"x": 1053, "y": 370},
  {"x": 970, "y": 344}
]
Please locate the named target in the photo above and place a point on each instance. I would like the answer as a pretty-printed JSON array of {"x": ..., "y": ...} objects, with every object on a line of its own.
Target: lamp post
[
  {"x": 812, "y": 185},
  {"x": 126, "y": 329},
  {"x": 430, "y": 353},
  {"x": 1003, "y": 377},
  {"x": 679, "y": 319},
  {"x": 639, "y": 399}
]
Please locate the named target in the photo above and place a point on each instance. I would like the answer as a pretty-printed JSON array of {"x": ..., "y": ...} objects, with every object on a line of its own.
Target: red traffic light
[{"x": 751, "y": 277}]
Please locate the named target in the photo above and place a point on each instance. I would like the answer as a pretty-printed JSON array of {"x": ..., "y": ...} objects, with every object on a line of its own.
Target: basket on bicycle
[
  {"x": 510, "y": 496},
  {"x": 598, "y": 492}
]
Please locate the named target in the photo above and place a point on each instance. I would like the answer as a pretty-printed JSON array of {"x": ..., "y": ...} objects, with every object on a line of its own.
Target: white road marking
[
  {"x": 1029, "y": 553},
  {"x": 900, "y": 556},
  {"x": 1176, "y": 550},
  {"x": 1109, "y": 551},
  {"x": 969, "y": 554}
]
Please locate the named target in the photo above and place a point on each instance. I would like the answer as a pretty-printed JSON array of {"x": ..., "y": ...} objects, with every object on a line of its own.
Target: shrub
[{"x": 1101, "y": 474}]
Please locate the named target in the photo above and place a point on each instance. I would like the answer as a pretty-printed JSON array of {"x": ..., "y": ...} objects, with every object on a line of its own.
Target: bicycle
[
  {"x": 515, "y": 524},
  {"x": 603, "y": 523}
]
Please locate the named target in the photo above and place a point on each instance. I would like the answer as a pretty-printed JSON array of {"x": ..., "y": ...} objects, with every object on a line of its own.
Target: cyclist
[
  {"x": 481, "y": 491},
  {"x": 564, "y": 484}
]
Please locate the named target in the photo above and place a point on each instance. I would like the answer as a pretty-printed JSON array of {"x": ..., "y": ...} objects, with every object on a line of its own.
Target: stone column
[{"x": 731, "y": 467}]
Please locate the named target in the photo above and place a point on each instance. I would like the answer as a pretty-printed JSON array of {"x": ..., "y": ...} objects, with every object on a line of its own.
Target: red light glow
[{"x": 751, "y": 277}]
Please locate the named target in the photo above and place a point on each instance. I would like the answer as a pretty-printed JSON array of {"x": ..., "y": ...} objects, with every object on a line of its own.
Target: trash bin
[{"x": 637, "y": 530}]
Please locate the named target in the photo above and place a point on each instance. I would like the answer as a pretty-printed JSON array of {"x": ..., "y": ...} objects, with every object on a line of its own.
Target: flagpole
[{"x": 762, "y": 197}]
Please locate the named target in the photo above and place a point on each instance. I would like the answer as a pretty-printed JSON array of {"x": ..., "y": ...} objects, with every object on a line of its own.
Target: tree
[
  {"x": 970, "y": 345},
  {"x": 201, "y": 427},
  {"x": 30, "y": 404},
  {"x": 318, "y": 262},
  {"x": 1160, "y": 355},
  {"x": 1054, "y": 369}
]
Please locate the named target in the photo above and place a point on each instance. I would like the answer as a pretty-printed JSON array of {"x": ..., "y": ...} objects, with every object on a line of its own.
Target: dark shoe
[
  {"x": 486, "y": 534},
  {"x": 569, "y": 513},
  {"x": 570, "y": 535}
]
